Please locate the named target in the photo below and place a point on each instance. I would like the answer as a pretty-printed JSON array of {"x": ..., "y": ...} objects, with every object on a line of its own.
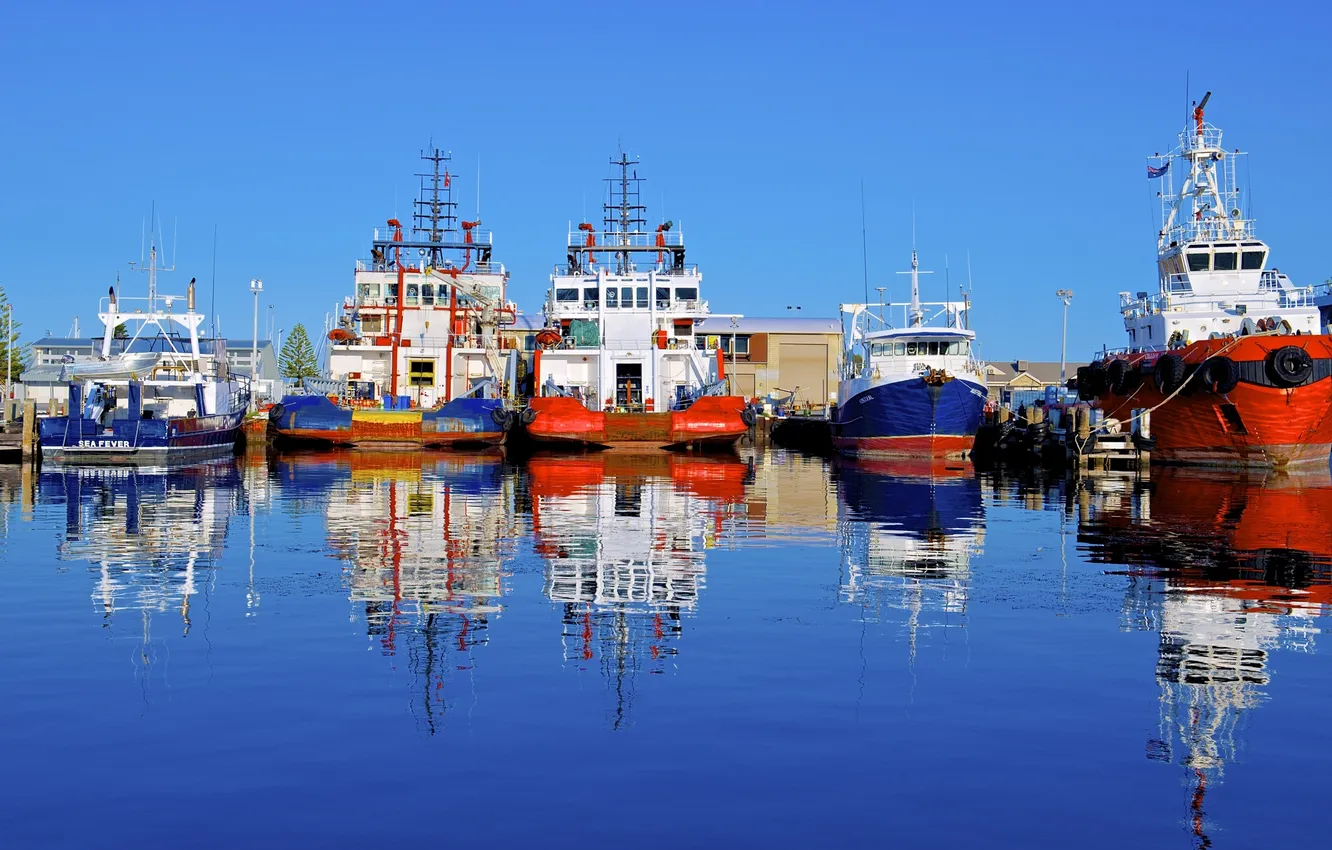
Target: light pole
[
  {"x": 256, "y": 286},
  {"x": 1065, "y": 295}
]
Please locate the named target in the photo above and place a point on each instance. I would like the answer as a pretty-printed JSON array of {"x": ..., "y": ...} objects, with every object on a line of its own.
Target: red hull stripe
[{"x": 924, "y": 444}]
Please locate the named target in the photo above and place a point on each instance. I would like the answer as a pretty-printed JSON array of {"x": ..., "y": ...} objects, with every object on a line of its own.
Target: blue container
[
  {"x": 404, "y": 402},
  {"x": 1051, "y": 395}
]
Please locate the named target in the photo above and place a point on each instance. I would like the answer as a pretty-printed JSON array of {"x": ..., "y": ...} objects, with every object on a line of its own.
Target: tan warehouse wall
[{"x": 780, "y": 362}]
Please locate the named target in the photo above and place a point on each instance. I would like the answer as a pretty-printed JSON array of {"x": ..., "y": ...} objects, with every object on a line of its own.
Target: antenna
[
  {"x": 864, "y": 243},
  {"x": 212, "y": 294},
  {"x": 478, "y": 187}
]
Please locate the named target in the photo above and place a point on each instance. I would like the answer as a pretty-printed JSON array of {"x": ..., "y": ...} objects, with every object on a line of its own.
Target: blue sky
[{"x": 1017, "y": 134}]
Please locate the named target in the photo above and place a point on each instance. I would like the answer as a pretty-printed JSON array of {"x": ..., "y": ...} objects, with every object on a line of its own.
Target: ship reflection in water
[
  {"x": 753, "y": 614},
  {"x": 624, "y": 537},
  {"x": 1228, "y": 570},
  {"x": 910, "y": 531}
]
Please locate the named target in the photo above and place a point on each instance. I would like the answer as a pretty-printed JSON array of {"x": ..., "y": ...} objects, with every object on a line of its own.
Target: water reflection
[
  {"x": 910, "y": 530},
  {"x": 1227, "y": 570},
  {"x": 424, "y": 540},
  {"x": 624, "y": 537},
  {"x": 153, "y": 536}
]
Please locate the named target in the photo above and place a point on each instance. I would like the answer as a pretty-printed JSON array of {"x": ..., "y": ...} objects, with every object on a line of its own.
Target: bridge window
[
  {"x": 911, "y": 349},
  {"x": 663, "y": 297},
  {"x": 428, "y": 293},
  {"x": 686, "y": 293},
  {"x": 565, "y": 295},
  {"x": 1252, "y": 260},
  {"x": 591, "y": 297},
  {"x": 1200, "y": 262},
  {"x": 369, "y": 291},
  {"x": 642, "y": 298},
  {"x": 1225, "y": 261},
  {"x": 612, "y": 298},
  {"x": 372, "y": 324},
  {"x": 899, "y": 349},
  {"x": 626, "y": 298}
]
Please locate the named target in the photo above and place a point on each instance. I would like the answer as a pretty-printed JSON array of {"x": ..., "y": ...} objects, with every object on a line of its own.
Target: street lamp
[
  {"x": 256, "y": 286},
  {"x": 1065, "y": 295}
]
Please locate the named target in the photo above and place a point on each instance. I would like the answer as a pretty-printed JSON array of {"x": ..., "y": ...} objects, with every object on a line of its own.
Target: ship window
[
  {"x": 899, "y": 349},
  {"x": 701, "y": 342},
  {"x": 627, "y": 298},
  {"x": 1225, "y": 261},
  {"x": 413, "y": 293},
  {"x": 566, "y": 294},
  {"x": 911, "y": 349},
  {"x": 612, "y": 297},
  {"x": 1200, "y": 262},
  {"x": 877, "y": 349},
  {"x": 427, "y": 293},
  {"x": 663, "y": 297},
  {"x": 369, "y": 290},
  {"x": 642, "y": 298},
  {"x": 1251, "y": 260},
  {"x": 686, "y": 293},
  {"x": 372, "y": 324},
  {"x": 421, "y": 373},
  {"x": 591, "y": 297}
]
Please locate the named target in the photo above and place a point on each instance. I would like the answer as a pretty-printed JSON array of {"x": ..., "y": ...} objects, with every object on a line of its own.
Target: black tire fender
[
  {"x": 748, "y": 417},
  {"x": 1220, "y": 374},
  {"x": 1116, "y": 376},
  {"x": 1168, "y": 373},
  {"x": 275, "y": 412},
  {"x": 528, "y": 416},
  {"x": 1289, "y": 366}
]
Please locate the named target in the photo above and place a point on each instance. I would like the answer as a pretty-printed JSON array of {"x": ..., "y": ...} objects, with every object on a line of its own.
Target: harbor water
[{"x": 340, "y": 649}]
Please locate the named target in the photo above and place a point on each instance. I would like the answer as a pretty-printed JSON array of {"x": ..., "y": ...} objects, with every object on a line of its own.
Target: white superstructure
[{"x": 1213, "y": 273}]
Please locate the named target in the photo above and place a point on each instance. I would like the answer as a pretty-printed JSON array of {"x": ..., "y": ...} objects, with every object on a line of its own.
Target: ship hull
[
  {"x": 1257, "y": 424},
  {"x": 910, "y": 418},
  {"x": 462, "y": 422},
  {"x": 712, "y": 421},
  {"x": 147, "y": 442}
]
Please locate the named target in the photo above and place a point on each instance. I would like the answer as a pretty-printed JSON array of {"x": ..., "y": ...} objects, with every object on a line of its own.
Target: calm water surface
[{"x": 348, "y": 649}]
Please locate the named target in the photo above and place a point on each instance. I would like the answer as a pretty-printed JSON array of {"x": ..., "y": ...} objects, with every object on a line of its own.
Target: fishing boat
[
  {"x": 415, "y": 358},
  {"x": 909, "y": 391},
  {"x": 1227, "y": 354},
  {"x": 618, "y": 362},
  {"x": 156, "y": 395}
]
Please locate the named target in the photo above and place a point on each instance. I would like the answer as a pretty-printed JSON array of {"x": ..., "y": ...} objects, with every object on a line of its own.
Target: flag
[
  {"x": 1153, "y": 173},
  {"x": 446, "y": 178}
]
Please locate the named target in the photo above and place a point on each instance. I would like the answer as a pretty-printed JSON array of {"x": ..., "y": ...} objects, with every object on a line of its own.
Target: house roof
[
  {"x": 770, "y": 324},
  {"x": 1045, "y": 371}
]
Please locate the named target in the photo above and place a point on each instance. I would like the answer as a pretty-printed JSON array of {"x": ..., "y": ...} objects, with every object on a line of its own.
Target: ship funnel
[{"x": 189, "y": 299}]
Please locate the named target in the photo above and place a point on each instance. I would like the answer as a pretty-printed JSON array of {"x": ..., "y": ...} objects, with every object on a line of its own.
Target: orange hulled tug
[
  {"x": 618, "y": 363},
  {"x": 1228, "y": 356}
]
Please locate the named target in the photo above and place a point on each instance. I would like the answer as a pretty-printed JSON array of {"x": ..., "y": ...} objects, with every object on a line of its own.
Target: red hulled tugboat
[{"x": 1228, "y": 354}]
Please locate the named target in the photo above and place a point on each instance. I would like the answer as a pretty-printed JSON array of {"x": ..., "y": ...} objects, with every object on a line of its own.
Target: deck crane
[{"x": 487, "y": 309}]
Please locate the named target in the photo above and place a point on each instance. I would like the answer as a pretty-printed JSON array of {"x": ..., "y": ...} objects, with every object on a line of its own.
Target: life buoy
[
  {"x": 1289, "y": 366},
  {"x": 1219, "y": 374},
  {"x": 1168, "y": 373}
]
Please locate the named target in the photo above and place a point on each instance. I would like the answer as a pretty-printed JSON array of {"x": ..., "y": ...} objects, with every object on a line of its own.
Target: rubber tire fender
[
  {"x": 1084, "y": 384},
  {"x": 1096, "y": 377},
  {"x": 1116, "y": 376},
  {"x": 748, "y": 417},
  {"x": 275, "y": 412},
  {"x": 1220, "y": 374},
  {"x": 1289, "y": 366},
  {"x": 1168, "y": 373},
  {"x": 528, "y": 416},
  {"x": 501, "y": 417}
]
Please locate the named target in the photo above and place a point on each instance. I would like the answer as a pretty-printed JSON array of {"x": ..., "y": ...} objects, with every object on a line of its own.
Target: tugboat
[
  {"x": 154, "y": 396},
  {"x": 415, "y": 360},
  {"x": 618, "y": 363},
  {"x": 912, "y": 391},
  {"x": 1227, "y": 355}
]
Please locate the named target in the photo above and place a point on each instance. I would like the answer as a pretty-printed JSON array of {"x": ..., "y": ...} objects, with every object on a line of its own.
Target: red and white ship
[
  {"x": 619, "y": 363},
  {"x": 1228, "y": 354}
]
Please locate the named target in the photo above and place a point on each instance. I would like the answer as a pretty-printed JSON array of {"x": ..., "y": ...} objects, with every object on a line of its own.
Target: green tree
[
  {"x": 12, "y": 354},
  {"x": 121, "y": 331},
  {"x": 298, "y": 357}
]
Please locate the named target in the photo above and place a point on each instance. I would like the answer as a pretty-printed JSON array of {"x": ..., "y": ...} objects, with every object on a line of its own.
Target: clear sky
[{"x": 1018, "y": 134}]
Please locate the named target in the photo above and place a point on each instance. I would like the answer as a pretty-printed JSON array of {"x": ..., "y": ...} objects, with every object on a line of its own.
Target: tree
[
  {"x": 121, "y": 331},
  {"x": 298, "y": 357},
  {"x": 12, "y": 355}
]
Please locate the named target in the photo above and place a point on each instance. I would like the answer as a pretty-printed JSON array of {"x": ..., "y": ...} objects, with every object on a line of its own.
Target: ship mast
[
  {"x": 1206, "y": 207},
  {"x": 624, "y": 211},
  {"x": 435, "y": 210},
  {"x": 917, "y": 316}
]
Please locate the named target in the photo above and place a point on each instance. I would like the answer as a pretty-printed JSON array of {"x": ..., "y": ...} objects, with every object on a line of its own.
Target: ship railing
[
  {"x": 664, "y": 269},
  {"x": 414, "y": 266},
  {"x": 454, "y": 237},
  {"x": 682, "y": 305},
  {"x": 609, "y": 241},
  {"x": 1288, "y": 298}
]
